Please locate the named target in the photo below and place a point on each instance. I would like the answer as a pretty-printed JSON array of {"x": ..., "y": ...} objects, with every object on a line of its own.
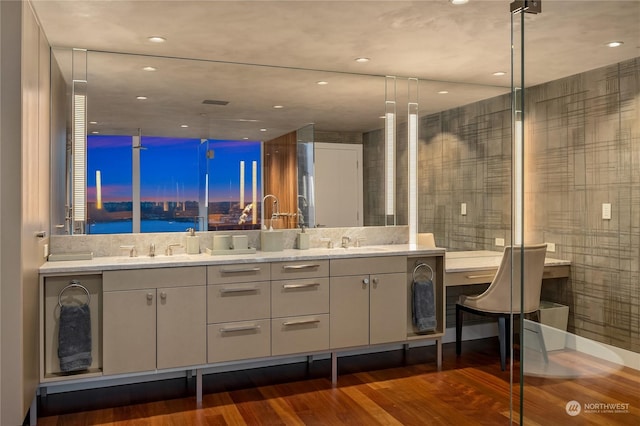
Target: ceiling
[{"x": 210, "y": 45}]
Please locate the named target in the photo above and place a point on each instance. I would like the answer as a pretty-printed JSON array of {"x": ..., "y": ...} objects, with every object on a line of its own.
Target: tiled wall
[{"x": 582, "y": 150}]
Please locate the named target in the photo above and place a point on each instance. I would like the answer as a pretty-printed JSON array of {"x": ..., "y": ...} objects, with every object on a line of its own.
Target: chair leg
[
  {"x": 502, "y": 338},
  {"x": 459, "y": 317}
]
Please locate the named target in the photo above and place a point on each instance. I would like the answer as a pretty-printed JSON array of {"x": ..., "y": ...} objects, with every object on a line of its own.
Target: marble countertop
[
  {"x": 98, "y": 264},
  {"x": 463, "y": 261}
]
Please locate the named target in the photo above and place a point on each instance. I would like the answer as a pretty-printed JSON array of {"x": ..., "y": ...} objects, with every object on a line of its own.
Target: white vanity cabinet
[
  {"x": 299, "y": 307},
  {"x": 153, "y": 319},
  {"x": 238, "y": 311},
  {"x": 368, "y": 301}
]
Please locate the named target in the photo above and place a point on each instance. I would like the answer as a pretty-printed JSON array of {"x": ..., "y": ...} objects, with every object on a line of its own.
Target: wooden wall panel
[{"x": 281, "y": 178}]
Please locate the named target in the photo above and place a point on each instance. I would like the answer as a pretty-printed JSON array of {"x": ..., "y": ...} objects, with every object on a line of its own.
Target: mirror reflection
[{"x": 161, "y": 124}]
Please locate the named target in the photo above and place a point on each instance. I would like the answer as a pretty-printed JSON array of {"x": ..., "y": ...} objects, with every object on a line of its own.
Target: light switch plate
[
  {"x": 463, "y": 209},
  {"x": 551, "y": 247},
  {"x": 500, "y": 242},
  {"x": 606, "y": 210}
]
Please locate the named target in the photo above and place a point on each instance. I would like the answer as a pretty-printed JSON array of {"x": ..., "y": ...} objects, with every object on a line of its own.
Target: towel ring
[
  {"x": 422, "y": 265},
  {"x": 73, "y": 284}
]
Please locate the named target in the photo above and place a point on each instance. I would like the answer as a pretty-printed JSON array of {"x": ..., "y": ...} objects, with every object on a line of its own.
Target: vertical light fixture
[
  {"x": 518, "y": 166},
  {"x": 136, "y": 142},
  {"x": 390, "y": 149},
  {"x": 254, "y": 190},
  {"x": 79, "y": 149},
  {"x": 412, "y": 160},
  {"x": 241, "y": 185},
  {"x": 98, "y": 190}
]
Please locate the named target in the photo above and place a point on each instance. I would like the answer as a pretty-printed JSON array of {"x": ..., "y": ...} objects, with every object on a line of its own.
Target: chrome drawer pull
[
  {"x": 307, "y": 285},
  {"x": 309, "y": 266},
  {"x": 300, "y": 322},
  {"x": 237, "y": 271},
  {"x": 238, "y": 290},
  {"x": 240, "y": 328},
  {"x": 471, "y": 277}
]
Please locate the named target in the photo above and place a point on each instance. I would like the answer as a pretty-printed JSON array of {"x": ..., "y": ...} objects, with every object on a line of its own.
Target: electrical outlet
[
  {"x": 551, "y": 247},
  {"x": 606, "y": 210},
  {"x": 500, "y": 242},
  {"x": 463, "y": 209},
  {"x": 46, "y": 250}
]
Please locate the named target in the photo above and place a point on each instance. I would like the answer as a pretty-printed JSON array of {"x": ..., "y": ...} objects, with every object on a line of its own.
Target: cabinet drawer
[
  {"x": 299, "y": 297},
  {"x": 238, "y": 340},
  {"x": 470, "y": 277},
  {"x": 238, "y": 273},
  {"x": 300, "y": 269},
  {"x": 238, "y": 302},
  {"x": 133, "y": 279},
  {"x": 299, "y": 334},
  {"x": 368, "y": 265}
]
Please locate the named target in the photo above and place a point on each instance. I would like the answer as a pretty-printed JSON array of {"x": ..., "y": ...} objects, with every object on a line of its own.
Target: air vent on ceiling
[{"x": 214, "y": 102}]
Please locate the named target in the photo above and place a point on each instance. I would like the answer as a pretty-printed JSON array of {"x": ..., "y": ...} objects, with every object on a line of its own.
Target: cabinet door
[
  {"x": 129, "y": 331},
  {"x": 182, "y": 326},
  {"x": 388, "y": 308},
  {"x": 349, "y": 311}
]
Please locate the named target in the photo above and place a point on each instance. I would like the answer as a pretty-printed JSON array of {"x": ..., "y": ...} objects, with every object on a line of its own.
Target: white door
[{"x": 338, "y": 188}]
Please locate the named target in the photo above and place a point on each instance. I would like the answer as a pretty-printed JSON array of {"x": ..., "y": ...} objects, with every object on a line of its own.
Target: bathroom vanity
[{"x": 192, "y": 312}]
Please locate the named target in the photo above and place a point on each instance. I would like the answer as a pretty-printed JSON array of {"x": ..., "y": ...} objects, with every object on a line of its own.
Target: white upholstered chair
[{"x": 500, "y": 300}]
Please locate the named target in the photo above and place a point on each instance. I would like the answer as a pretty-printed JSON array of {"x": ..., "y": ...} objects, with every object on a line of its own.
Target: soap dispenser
[
  {"x": 193, "y": 242},
  {"x": 303, "y": 239}
]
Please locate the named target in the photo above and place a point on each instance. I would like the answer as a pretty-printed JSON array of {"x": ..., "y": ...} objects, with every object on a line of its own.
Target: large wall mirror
[{"x": 176, "y": 136}]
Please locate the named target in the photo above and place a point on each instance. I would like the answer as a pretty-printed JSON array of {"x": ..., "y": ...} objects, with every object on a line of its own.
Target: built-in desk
[{"x": 479, "y": 267}]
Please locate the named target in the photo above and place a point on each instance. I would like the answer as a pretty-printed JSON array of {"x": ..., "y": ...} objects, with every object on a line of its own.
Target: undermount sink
[{"x": 363, "y": 249}]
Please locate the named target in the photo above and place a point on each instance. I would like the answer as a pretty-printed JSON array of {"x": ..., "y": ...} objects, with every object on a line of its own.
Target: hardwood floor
[{"x": 387, "y": 389}]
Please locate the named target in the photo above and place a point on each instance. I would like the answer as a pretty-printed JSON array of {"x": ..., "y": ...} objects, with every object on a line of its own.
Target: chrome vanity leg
[
  {"x": 439, "y": 353},
  {"x": 334, "y": 368},
  {"x": 199, "y": 386},
  {"x": 33, "y": 412}
]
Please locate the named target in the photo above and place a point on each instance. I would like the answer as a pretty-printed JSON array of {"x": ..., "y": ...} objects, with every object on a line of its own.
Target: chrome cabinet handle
[
  {"x": 163, "y": 295},
  {"x": 365, "y": 281},
  {"x": 307, "y": 266},
  {"x": 238, "y": 271},
  {"x": 237, "y": 290},
  {"x": 239, "y": 328},
  {"x": 307, "y": 285},
  {"x": 300, "y": 322},
  {"x": 375, "y": 282},
  {"x": 149, "y": 297}
]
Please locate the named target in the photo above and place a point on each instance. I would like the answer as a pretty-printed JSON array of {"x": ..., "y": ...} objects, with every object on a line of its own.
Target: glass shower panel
[{"x": 579, "y": 360}]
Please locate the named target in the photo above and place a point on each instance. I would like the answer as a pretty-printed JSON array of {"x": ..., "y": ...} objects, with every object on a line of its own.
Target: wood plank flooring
[{"x": 390, "y": 388}]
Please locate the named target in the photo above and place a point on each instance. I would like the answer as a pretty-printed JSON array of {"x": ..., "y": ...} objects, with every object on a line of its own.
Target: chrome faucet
[
  {"x": 152, "y": 250},
  {"x": 276, "y": 212},
  {"x": 131, "y": 248},
  {"x": 345, "y": 241},
  {"x": 169, "y": 250}
]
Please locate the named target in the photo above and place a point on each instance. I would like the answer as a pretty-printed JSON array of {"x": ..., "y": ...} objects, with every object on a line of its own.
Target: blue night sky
[{"x": 169, "y": 168}]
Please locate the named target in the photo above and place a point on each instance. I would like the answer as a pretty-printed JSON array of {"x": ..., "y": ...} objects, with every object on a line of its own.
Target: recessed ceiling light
[
  {"x": 278, "y": 106},
  {"x": 263, "y": 130},
  {"x": 184, "y": 125},
  {"x": 499, "y": 73},
  {"x": 458, "y": 2},
  {"x": 245, "y": 138},
  {"x": 157, "y": 39},
  {"x": 141, "y": 98},
  {"x": 322, "y": 83},
  {"x": 362, "y": 60},
  {"x": 615, "y": 44},
  {"x": 93, "y": 122},
  {"x": 149, "y": 68},
  {"x": 443, "y": 92},
  {"x": 95, "y": 132}
]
